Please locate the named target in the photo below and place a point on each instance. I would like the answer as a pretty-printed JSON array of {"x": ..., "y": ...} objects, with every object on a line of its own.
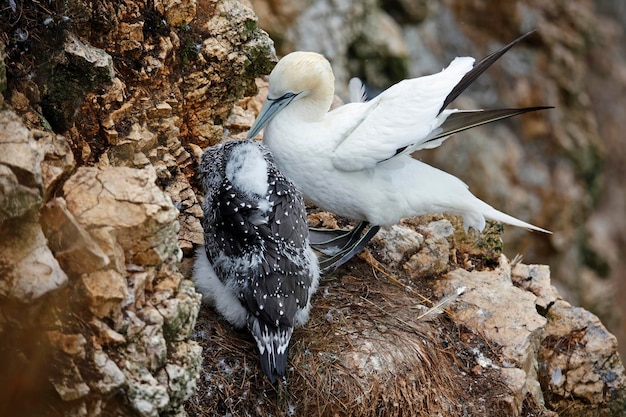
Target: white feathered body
[{"x": 354, "y": 160}]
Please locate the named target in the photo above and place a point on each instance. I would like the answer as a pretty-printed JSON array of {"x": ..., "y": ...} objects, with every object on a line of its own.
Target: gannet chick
[
  {"x": 256, "y": 267},
  {"x": 355, "y": 160}
]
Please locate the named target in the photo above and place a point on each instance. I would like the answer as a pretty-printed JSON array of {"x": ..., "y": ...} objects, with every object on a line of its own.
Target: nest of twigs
[{"x": 366, "y": 351}]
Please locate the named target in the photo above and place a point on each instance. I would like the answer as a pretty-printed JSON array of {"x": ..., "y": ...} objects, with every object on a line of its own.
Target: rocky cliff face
[
  {"x": 104, "y": 107},
  {"x": 101, "y": 104}
]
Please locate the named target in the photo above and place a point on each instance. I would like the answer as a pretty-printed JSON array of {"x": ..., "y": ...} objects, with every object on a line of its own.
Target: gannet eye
[{"x": 285, "y": 96}]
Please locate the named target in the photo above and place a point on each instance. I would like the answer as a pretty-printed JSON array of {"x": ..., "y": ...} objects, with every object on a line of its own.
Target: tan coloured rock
[
  {"x": 106, "y": 336},
  {"x": 19, "y": 152},
  {"x": 177, "y": 12},
  {"x": 106, "y": 239},
  {"x": 434, "y": 256},
  {"x": 73, "y": 247},
  {"x": 20, "y": 170},
  {"x": 130, "y": 35},
  {"x": 536, "y": 279},
  {"x": 28, "y": 269},
  {"x": 506, "y": 316},
  {"x": 581, "y": 372},
  {"x": 128, "y": 199},
  {"x": 58, "y": 160},
  {"x": 104, "y": 292},
  {"x": 397, "y": 242}
]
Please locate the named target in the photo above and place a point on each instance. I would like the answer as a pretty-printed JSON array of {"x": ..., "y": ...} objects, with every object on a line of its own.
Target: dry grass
[{"x": 363, "y": 353}]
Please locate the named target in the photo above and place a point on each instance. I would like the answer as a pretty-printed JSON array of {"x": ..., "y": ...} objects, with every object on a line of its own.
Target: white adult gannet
[
  {"x": 256, "y": 268},
  {"x": 355, "y": 160}
]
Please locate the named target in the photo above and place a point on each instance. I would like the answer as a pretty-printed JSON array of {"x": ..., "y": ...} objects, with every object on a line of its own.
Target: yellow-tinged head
[
  {"x": 307, "y": 74},
  {"x": 302, "y": 78}
]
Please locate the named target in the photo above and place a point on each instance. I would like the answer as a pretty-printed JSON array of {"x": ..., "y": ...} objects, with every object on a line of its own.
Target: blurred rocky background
[{"x": 104, "y": 107}]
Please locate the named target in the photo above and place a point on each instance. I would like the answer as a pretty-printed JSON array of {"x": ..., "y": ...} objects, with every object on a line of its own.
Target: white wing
[{"x": 397, "y": 119}]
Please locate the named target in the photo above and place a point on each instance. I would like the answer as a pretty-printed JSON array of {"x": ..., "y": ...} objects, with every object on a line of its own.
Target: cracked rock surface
[{"x": 102, "y": 105}]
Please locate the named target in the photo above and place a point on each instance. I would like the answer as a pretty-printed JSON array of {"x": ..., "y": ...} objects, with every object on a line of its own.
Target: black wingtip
[
  {"x": 468, "y": 119},
  {"x": 480, "y": 67}
]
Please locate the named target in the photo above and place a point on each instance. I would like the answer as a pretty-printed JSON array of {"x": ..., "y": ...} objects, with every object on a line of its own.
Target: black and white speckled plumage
[{"x": 257, "y": 267}]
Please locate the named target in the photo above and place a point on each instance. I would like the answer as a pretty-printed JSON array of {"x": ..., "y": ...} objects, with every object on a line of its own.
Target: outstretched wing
[
  {"x": 411, "y": 115},
  {"x": 402, "y": 115}
]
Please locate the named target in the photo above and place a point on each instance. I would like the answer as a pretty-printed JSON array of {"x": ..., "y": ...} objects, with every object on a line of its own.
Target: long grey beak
[{"x": 268, "y": 111}]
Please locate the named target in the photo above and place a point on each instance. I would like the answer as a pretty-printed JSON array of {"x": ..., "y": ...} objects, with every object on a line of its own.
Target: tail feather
[
  {"x": 492, "y": 214},
  {"x": 436, "y": 191},
  {"x": 273, "y": 344}
]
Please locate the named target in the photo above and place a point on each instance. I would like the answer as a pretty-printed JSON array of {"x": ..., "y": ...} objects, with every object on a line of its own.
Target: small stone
[
  {"x": 180, "y": 313},
  {"x": 112, "y": 136},
  {"x": 35, "y": 271},
  {"x": 75, "y": 249},
  {"x": 21, "y": 182},
  {"x": 431, "y": 261},
  {"x": 130, "y": 35},
  {"x": 71, "y": 344},
  {"x": 58, "y": 160},
  {"x": 105, "y": 334},
  {"x": 397, "y": 242},
  {"x": 177, "y": 12},
  {"x": 161, "y": 110},
  {"x": 138, "y": 283},
  {"x": 515, "y": 379},
  {"x": 111, "y": 375},
  {"x": 536, "y": 279},
  {"x": 104, "y": 292},
  {"x": 70, "y": 384},
  {"x": 147, "y": 397},
  {"x": 151, "y": 315}
]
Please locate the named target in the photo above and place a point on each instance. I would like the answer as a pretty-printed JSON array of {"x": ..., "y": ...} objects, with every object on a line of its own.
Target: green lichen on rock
[{"x": 75, "y": 71}]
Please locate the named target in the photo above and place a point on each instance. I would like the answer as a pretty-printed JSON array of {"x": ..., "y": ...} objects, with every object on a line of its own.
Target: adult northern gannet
[
  {"x": 355, "y": 160},
  {"x": 256, "y": 267}
]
